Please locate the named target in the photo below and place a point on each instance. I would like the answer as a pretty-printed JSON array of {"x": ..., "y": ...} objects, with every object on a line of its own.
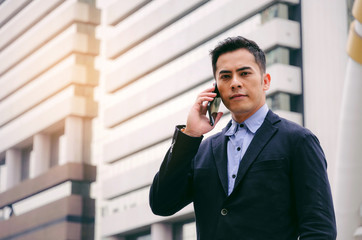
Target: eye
[
  {"x": 224, "y": 77},
  {"x": 244, "y": 73}
]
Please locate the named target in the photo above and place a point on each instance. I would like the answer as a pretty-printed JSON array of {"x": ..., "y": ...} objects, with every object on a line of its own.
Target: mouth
[{"x": 237, "y": 96}]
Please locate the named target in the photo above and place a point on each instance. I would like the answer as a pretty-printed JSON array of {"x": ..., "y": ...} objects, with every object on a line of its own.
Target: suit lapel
[
  {"x": 261, "y": 138},
  {"x": 219, "y": 149}
]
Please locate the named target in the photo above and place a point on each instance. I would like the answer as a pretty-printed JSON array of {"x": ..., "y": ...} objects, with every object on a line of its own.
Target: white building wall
[
  {"x": 324, "y": 37},
  {"x": 47, "y": 77},
  {"x": 348, "y": 177}
]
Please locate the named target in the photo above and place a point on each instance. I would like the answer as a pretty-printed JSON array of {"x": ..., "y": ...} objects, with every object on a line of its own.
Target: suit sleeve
[
  {"x": 313, "y": 198},
  {"x": 171, "y": 189}
]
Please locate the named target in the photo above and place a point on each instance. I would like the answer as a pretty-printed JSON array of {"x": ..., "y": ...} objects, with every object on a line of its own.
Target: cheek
[
  {"x": 222, "y": 90},
  {"x": 224, "y": 99}
]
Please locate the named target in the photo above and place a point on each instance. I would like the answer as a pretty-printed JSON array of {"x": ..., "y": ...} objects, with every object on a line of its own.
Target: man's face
[{"x": 241, "y": 84}]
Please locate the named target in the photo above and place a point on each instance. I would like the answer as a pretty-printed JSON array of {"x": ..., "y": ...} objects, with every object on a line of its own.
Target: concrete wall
[{"x": 324, "y": 37}]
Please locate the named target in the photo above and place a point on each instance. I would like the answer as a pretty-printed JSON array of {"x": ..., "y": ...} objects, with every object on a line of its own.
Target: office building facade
[
  {"x": 90, "y": 93},
  {"x": 47, "y": 77},
  {"x": 154, "y": 61}
]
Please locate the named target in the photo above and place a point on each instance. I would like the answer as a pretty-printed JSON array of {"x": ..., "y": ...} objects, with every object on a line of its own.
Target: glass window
[
  {"x": 277, "y": 55},
  {"x": 279, "y": 101},
  {"x": 276, "y": 11},
  {"x": 254, "y": 22},
  {"x": 286, "y": 102},
  {"x": 140, "y": 236}
]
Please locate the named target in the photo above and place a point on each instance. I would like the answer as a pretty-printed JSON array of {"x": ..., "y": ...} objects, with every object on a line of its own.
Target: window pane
[
  {"x": 279, "y": 101},
  {"x": 276, "y": 11},
  {"x": 277, "y": 55},
  {"x": 147, "y": 237},
  {"x": 140, "y": 236}
]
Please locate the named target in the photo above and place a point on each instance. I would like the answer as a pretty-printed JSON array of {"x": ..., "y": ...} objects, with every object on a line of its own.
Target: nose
[{"x": 236, "y": 83}]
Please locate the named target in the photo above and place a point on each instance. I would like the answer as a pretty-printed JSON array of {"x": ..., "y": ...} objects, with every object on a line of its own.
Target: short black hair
[{"x": 234, "y": 43}]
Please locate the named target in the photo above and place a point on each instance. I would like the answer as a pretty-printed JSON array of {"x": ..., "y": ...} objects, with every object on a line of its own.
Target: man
[{"x": 262, "y": 177}]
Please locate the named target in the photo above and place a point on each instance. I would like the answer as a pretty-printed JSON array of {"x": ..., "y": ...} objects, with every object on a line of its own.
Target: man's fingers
[
  {"x": 209, "y": 90},
  {"x": 204, "y": 99},
  {"x": 203, "y": 109},
  {"x": 207, "y": 94}
]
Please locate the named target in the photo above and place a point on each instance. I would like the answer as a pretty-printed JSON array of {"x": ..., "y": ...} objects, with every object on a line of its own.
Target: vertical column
[
  {"x": 40, "y": 158},
  {"x": 54, "y": 149},
  {"x": 87, "y": 140},
  {"x": 13, "y": 167},
  {"x": 323, "y": 28},
  {"x": 71, "y": 144},
  {"x": 61, "y": 154},
  {"x": 348, "y": 195},
  {"x": 161, "y": 231},
  {"x": 2, "y": 178}
]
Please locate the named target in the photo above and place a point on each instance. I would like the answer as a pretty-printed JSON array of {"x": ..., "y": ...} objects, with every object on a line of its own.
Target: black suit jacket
[{"x": 281, "y": 190}]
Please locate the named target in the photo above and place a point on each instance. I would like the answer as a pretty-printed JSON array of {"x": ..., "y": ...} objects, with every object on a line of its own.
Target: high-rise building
[
  {"x": 90, "y": 93},
  {"x": 153, "y": 62},
  {"x": 47, "y": 76}
]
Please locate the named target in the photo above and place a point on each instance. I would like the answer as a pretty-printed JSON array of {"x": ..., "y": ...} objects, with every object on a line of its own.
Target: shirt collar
[
  {"x": 232, "y": 129},
  {"x": 253, "y": 123}
]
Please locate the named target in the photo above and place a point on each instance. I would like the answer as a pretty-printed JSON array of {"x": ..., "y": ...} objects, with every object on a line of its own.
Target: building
[
  {"x": 47, "y": 78},
  {"x": 90, "y": 92},
  {"x": 348, "y": 167},
  {"x": 153, "y": 62}
]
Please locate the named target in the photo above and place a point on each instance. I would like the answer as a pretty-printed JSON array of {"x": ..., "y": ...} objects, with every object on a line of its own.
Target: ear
[{"x": 266, "y": 81}]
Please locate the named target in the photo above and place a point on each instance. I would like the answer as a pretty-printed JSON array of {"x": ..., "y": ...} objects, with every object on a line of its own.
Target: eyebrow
[
  {"x": 243, "y": 68},
  {"x": 238, "y": 70}
]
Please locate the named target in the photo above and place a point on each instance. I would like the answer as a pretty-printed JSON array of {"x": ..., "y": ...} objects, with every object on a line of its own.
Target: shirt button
[
  {"x": 238, "y": 149},
  {"x": 233, "y": 176},
  {"x": 241, "y": 125},
  {"x": 224, "y": 211}
]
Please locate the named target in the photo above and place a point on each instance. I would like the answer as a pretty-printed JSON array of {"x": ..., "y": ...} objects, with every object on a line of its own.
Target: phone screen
[{"x": 213, "y": 106}]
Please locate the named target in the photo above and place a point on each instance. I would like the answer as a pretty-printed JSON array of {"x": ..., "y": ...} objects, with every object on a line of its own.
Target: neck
[{"x": 241, "y": 117}]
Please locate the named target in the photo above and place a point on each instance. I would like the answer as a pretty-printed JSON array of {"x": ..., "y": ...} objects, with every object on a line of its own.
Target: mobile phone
[{"x": 213, "y": 106}]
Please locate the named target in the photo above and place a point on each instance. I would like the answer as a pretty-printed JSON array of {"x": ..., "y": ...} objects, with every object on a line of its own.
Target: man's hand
[{"x": 197, "y": 122}]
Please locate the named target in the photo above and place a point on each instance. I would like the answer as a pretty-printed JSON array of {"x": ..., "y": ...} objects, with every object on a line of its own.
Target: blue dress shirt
[{"x": 240, "y": 136}]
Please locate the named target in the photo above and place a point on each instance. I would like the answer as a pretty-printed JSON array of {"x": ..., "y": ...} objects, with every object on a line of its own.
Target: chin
[{"x": 239, "y": 108}]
